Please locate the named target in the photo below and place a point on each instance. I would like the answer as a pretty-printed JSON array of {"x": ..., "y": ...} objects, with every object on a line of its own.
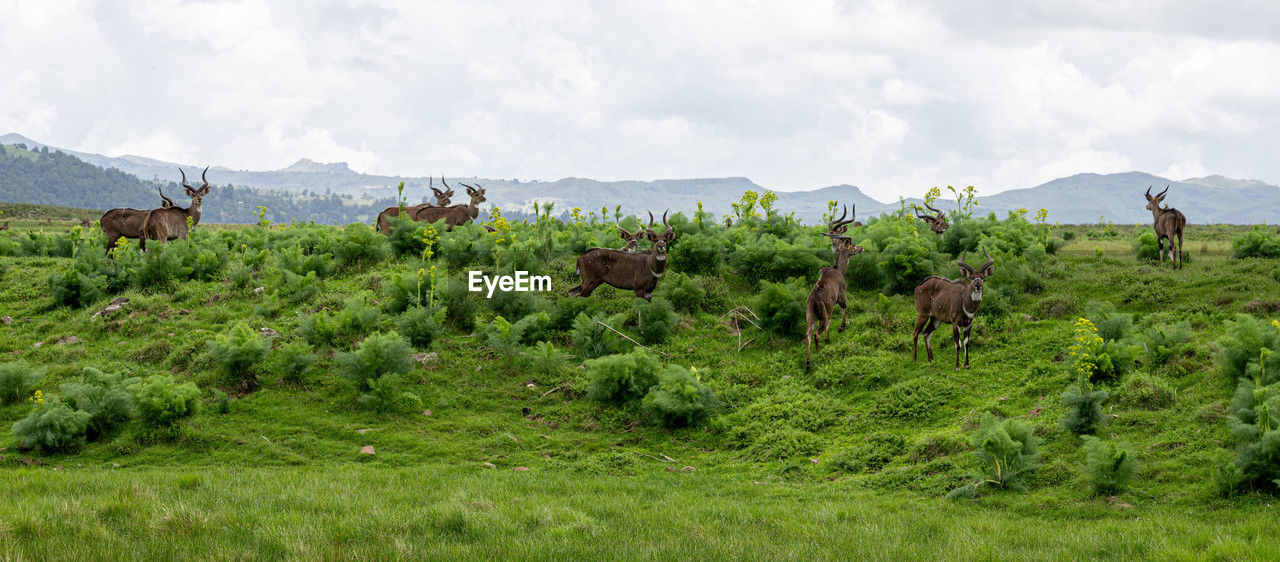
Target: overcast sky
[{"x": 891, "y": 96}]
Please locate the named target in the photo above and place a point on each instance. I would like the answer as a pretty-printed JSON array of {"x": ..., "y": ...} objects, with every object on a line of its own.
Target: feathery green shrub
[
  {"x": 622, "y": 378},
  {"x": 17, "y": 381},
  {"x": 1108, "y": 466},
  {"x": 377, "y": 370},
  {"x": 162, "y": 402},
  {"x": 237, "y": 352},
  {"x": 680, "y": 399},
  {"x": 52, "y": 427},
  {"x": 104, "y": 396},
  {"x": 1084, "y": 408}
]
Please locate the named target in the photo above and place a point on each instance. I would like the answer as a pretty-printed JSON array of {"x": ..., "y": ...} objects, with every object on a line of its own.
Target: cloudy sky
[{"x": 891, "y": 96}]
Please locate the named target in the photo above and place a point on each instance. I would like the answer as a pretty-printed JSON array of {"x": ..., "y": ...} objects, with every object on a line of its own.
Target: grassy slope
[{"x": 595, "y": 480}]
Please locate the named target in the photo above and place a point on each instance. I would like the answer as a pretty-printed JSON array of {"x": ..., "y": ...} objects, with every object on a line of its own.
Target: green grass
[
  {"x": 280, "y": 475},
  {"x": 368, "y": 511}
]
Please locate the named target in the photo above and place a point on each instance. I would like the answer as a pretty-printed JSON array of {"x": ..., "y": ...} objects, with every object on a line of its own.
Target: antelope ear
[
  {"x": 967, "y": 270},
  {"x": 191, "y": 192},
  {"x": 651, "y": 236},
  {"x": 988, "y": 271},
  {"x": 669, "y": 235},
  {"x": 623, "y": 234}
]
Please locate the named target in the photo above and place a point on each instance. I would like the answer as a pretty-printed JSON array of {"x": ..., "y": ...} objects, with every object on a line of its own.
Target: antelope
[
  {"x": 391, "y": 213},
  {"x": 456, "y": 215},
  {"x": 1168, "y": 222},
  {"x": 4, "y": 226},
  {"x": 632, "y": 239},
  {"x": 170, "y": 223},
  {"x": 127, "y": 223},
  {"x": 954, "y": 302},
  {"x": 826, "y": 294},
  {"x": 637, "y": 272},
  {"x": 937, "y": 222}
]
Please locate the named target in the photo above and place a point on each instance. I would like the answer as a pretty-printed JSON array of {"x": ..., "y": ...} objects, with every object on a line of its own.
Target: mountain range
[{"x": 1081, "y": 198}]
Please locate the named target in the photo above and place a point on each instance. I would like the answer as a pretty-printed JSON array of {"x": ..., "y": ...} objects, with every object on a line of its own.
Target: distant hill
[
  {"x": 50, "y": 177},
  {"x": 1082, "y": 198}
]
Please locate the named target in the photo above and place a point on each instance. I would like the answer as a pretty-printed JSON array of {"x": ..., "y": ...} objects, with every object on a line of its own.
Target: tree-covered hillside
[{"x": 50, "y": 177}]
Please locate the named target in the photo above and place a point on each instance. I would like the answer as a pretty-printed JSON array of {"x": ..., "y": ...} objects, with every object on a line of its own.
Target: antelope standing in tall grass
[
  {"x": 456, "y": 215},
  {"x": 637, "y": 272},
  {"x": 127, "y": 223},
  {"x": 1168, "y": 222},
  {"x": 388, "y": 215},
  {"x": 955, "y": 302},
  {"x": 826, "y": 294},
  {"x": 937, "y": 221},
  {"x": 171, "y": 223}
]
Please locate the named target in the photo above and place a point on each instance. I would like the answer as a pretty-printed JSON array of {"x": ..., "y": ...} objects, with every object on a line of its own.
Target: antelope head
[
  {"x": 976, "y": 277},
  {"x": 632, "y": 239},
  {"x": 840, "y": 225},
  {"x": 1153, "y": 203},
  {"x": 165, "y": 202},
  {"x": 937, "y": 221},
  {"x": 476, "y": 192},
  {"x": 660, "y": 241},
  {"x": 196, "y": 193}
]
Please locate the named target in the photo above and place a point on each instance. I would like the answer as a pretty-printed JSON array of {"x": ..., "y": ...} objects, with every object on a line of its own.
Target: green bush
[
  {"x": 655, "y": 320},
  {"x": 621, "y": 378},
  {"x": 685, "y": 292},
  {"x": 701, "y": 254},
  {"x": 105, "y": 397},
  {"x": 296, "y": 288},
  {"x": 1255, "y": 420},
  {"x": 52, "y": 427},
  {"x": 376, "y": 371},
  {"x": 1239, "y": 349},
  {"x": 291, "y": 360},
  {"x": 1084, "y": 409},
  {"x": 460, "y": 304},
  {"x": 781, "y": 309},
  {"x": 546, "y": 360},
  {"x": 1108, "y": 466},
  {"x": 1163, "y": 343},
  {"x": 77, "y": 289},
  {"x": 590, "y": 339},
  {"x": 533, "y": 328},
  {"x": 1261, "y": 242},
  {"x": 17, "y": 381},
  {"x": 1006, "y": 452},
  {"x": 237, "y": 352},
  {"x": 162, "y": 402},
  {"x": 355, "y": 321},
  {"x": 1145, "y": 391},
  {"x": 869, "y": 454},
  {"x": 680, "y": 399},
  {"x": 160, "y": 267},
  {"x": 422, "y": 326},
  {"x": 503, "y": 337}
]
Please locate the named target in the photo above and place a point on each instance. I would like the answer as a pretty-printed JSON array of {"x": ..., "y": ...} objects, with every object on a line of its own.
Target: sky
[{"x": 893, "y": 97}]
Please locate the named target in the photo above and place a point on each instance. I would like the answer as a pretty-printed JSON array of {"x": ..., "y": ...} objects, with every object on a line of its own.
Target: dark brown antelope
[
  {"x": 456, "y": 215},
  {"x": 4, "y": 226},
  {"x": 1168, "y": 223},
  {"x": 954, "y": 302},
  {"x": 637, "y": 272},
  {"x": 170, "y": 223},
  {"x": 127, "y": 223},
  {"x": 826, "y": 294},
  {"x": 937, "y": 221},
  {"x": 389, "y": 214}
]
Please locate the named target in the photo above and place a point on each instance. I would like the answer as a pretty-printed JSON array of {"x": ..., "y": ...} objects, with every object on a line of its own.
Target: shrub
[
  {"x": 460, "y": 305},
  {"x": 1098, "y": 359},
  {"x": 533, "y": 328},
  {"x": 655, "y": 320},
  {"x": 1006, "y": 451},
  {"x": 354, "y": 321},
  {"x": 376, "y": 370},
  {"x": 105, "y": 397},
  {"x": 590, "y": 339},
  {"x": 162, "y": 402},
  {"x": 1239, "y": 349},
  {"x": 504, "y": 338},
  {"x": 1145, "y": 391},
  {"x": 680, "y": 399},
  {"x": 683, "y": 291},
  {"x": 621, "y": 378},
  {"x": 17, "y": 380},
  {"x": 159, "y": 267},
  {"x": 52, "y": 427},
  {"x": 915, "y": 398},
  {"x": 870, "y": 454},
  {"x": 781, "y": 309},
  {"x": 546, "y": 360},
  {"x": 1162, "y": 343},
  {"x": 221, "y": 402},
  {"x": 1084, "y": 409},
  {"x": 1261, "y": 242},
  {"x": 514, "y": 304},
  {"x": 698, "y": 254},
  {"x": 1108, "y": 466},
  {"x": 296, "y": 288},
  {"x": 291, "y": 360},
  {"x": 1255, "y": 420},
  {"x": 422, "y": 326},
  {"x": 77, "y": 289},
  {"x": 237, "y": 351}
]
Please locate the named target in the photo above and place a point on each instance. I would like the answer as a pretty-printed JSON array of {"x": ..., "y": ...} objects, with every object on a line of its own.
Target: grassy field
[{"x": 855, "y": 456}]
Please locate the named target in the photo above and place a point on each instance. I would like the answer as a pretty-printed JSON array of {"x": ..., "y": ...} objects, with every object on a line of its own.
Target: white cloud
[{"x": 891, "y": 96}]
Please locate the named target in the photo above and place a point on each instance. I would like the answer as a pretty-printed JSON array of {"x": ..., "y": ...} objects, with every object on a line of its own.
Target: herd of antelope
[{"x": 938, "y": 300}]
